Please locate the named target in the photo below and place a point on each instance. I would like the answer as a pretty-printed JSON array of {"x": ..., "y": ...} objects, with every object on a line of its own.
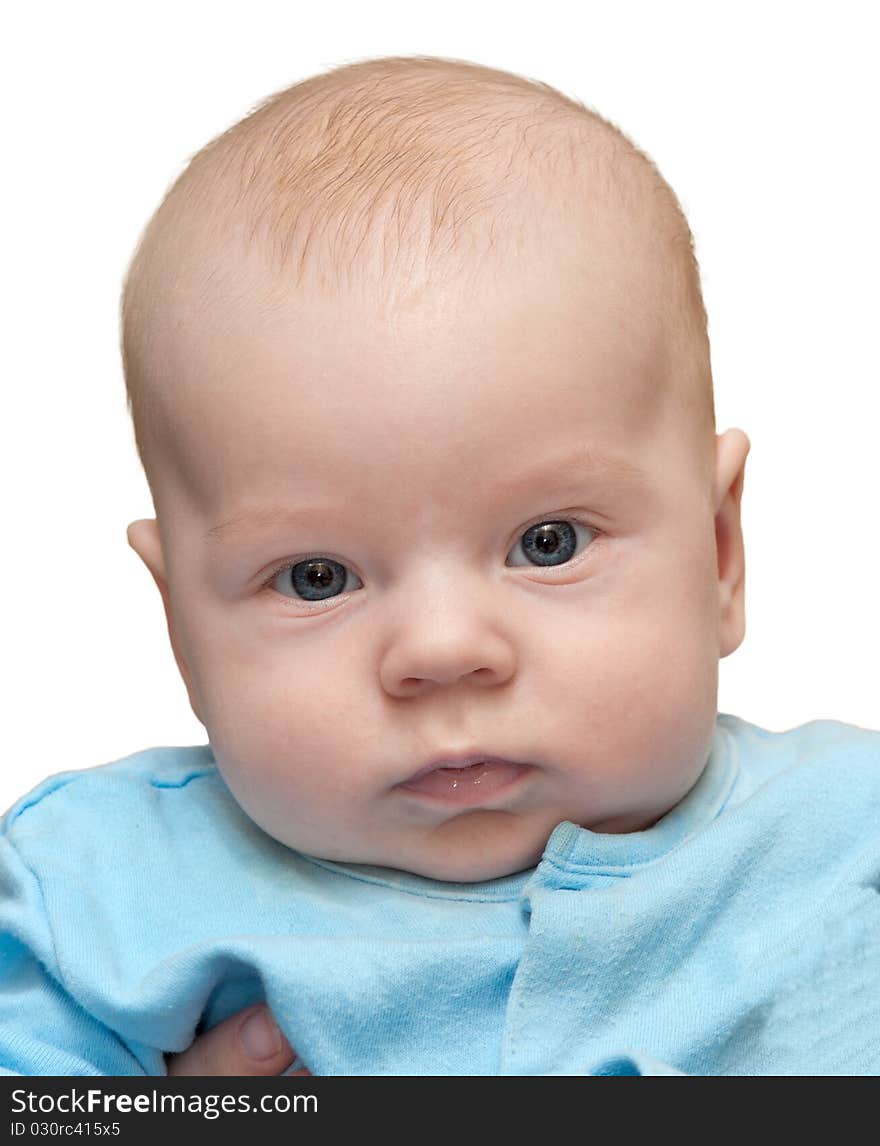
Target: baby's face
[{"x": 441, "y": 580}]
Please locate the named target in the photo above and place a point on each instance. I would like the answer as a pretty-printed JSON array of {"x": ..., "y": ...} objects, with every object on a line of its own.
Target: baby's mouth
[{"x": 466, "y": 782}]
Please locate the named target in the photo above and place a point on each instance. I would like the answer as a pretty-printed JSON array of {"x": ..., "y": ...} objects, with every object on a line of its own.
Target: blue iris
[{"x": 549, "y": 543}]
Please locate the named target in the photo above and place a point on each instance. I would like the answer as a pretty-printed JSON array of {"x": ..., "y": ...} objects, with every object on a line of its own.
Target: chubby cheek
[
  {"x": 639, "y": 693},
  {"x": 286, "y": 725}
]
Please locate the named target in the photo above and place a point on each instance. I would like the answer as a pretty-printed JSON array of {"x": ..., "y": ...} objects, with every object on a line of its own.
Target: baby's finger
[{"x": 248, "y": 1043}]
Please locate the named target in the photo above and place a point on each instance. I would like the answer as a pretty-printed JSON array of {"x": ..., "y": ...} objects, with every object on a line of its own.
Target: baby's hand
[{"x": 248, "y": 1043}]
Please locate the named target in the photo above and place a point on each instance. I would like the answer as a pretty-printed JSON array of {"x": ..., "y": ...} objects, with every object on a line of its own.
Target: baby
[{"x": 449, "y": 552}]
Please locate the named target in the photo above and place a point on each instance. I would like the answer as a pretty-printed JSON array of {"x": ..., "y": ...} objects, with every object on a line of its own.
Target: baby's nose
[{"x": 446, "y": 638}]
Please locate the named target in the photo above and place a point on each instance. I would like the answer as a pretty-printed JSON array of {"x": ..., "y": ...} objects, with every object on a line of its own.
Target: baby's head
[{"x": 420, "y": 379}]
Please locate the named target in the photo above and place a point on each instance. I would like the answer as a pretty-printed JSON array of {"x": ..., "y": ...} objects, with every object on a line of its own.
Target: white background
[{"x": 763, "y": 117}]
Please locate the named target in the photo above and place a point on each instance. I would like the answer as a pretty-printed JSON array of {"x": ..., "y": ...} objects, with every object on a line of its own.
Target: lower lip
[{"x": 467, "y": 787}]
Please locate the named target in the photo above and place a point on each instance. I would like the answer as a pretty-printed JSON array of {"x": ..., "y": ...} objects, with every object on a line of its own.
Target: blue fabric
[{"x": 739, "y": 935}]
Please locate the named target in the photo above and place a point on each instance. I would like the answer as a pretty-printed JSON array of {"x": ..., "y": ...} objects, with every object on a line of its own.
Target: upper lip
[{"x": 462, "y": 760}]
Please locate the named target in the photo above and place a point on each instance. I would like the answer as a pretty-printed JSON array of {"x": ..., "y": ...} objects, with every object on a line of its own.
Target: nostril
[{"x": 414, "y": 683}]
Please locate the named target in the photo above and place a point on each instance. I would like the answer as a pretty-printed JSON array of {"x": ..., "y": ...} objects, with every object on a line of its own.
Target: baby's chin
[
  {"x": 464, "y": 868},
  {"x": 476, "y": 848},
  {"x": 487, "y": 844}
]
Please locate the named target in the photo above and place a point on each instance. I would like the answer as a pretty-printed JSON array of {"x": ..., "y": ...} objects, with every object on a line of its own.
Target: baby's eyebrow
[
  {"x": 257, "y": 518},
  {"x": 584, "y": 466}
]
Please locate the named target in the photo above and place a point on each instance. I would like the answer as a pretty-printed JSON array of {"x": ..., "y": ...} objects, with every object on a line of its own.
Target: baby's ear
[
  {"x": 731, "y": 451},
  {"x": 146, "y": 541},
  {"x": 144, "y": 538}
]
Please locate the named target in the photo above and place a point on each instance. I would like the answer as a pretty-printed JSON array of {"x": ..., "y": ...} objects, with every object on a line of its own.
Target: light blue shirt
[{"x": 738, "y": 935}]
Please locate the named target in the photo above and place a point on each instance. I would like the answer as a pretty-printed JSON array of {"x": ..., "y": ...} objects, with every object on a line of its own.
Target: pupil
[
  {"x": 320, "y": 574},
  {"x": 547, "y": 540}
]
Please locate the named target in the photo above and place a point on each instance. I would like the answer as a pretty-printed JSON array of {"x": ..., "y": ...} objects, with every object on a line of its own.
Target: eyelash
[{"x": 299, "y": 602}]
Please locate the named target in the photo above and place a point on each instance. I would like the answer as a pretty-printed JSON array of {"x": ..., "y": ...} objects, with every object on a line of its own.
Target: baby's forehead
[
  {"x": 266, "y": 370},
  {"x": 324, "y": 389},
  {"x": 397, "y": 203}
]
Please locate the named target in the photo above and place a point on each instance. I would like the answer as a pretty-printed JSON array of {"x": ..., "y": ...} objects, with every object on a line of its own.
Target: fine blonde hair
[{"x": 312, "y": 171}]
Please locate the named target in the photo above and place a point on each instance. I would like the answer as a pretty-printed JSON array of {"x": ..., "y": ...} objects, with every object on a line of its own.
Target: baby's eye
[
  {"x": 551, "y": 542},
  {"x": 315, "y": 579}
]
